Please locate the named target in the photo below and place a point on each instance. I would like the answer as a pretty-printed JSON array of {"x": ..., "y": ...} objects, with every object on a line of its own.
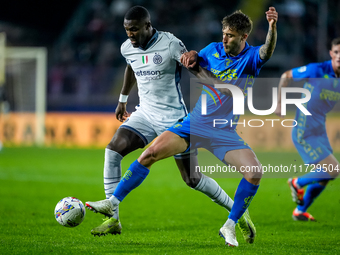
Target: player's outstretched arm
[
  {"x": 189, "y": 60},
  {"x": 266, "y": 50},
  {"x": 128, "y": 83},
  {"x": 285, "y": 80}
]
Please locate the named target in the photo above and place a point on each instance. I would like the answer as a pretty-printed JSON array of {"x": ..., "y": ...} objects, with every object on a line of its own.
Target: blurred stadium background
[{"x": 63, "y": 58}]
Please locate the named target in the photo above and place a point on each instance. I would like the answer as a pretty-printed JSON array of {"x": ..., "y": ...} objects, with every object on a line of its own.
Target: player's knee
[
  {"x": 333, "y": 168},
  {"x": 323, "y": 183},
  {"x": 148, "y": 157},
  {"x": 334, "y": 174},
  {"x": 117, "y": 145},
  {"x": 254, "y": 176}
]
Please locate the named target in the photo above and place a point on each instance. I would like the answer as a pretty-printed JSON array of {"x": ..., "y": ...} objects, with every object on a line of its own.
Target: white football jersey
[{"x": 158, "y": 71}]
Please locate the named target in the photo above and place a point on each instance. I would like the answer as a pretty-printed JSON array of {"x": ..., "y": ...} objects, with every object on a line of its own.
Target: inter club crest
[{"x": 157, "y": 59}]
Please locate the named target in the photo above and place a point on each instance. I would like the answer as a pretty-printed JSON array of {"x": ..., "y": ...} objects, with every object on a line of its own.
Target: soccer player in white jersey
[{"x": 153, "y": 61}]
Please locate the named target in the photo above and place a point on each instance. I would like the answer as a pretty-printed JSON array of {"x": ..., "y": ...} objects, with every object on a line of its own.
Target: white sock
[
  {"x": 230, "y": 223},
  {"x": 114, "y": 201},
  {"x": 112, "y": 174},
  {"x": 211, "y": 188},
  {"x": 298, "y": 211}
]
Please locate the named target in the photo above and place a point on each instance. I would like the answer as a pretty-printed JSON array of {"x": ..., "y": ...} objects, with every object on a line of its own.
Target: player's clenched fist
[
  {"x": 121, "y": 113},
  {"x": 272, "y": 16},
  {"x": 189, "y": 59}
]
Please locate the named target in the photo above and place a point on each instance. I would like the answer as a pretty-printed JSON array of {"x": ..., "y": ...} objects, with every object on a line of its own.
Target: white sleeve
[
  {"x": 122, "y": 51},
  {"x": 177, "y": 48}
]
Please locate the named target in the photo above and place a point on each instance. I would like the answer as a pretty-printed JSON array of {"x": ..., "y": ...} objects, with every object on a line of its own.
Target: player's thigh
[
  {"x": 125, "y": 141},
  {"x": 136, "y": 132},
  {"x": 230, "y": 148},
  {"x": 166, "y": 145},
  {"x": 312, "y": 149},
  {"x": 171, "y": 142},
  {"x": 246, "y": 163}
]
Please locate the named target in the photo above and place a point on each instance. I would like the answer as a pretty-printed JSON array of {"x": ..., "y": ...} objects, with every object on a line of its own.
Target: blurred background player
[
  {"x": 309, "y": 135},
  {"x": 153, "y": 60},
  {"x": 244, "y": 63}
]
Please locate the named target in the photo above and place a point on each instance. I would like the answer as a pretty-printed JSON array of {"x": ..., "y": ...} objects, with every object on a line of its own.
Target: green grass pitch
[{"x": 162, "y": 216}]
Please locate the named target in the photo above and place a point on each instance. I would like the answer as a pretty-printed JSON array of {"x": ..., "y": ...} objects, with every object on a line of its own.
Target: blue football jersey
[
  {"x": 239, "y": 70},
  {"x": 325, "y": 92}
]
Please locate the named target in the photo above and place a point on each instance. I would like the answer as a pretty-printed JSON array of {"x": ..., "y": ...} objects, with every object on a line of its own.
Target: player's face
[
  {"x": 232, "y": 41},
  {"x": 335, "y": 55},
  {"x": 137, "y": 31}
]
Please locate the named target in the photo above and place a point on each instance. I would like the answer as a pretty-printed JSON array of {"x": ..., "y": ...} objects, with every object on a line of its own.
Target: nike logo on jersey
[{"x": 133, "y": 60}]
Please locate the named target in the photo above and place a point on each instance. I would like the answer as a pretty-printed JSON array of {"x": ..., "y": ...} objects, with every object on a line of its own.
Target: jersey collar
[{"x": 151, "y": 41}]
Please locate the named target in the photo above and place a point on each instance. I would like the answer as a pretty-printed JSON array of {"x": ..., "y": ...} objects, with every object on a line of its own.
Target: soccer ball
[{"x": 69, "y": 212}]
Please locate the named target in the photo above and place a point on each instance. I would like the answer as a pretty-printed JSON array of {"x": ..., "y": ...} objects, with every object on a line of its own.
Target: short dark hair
[
  {"x": 238, "y": 21},
  {"x": 335, "y": 42},
  {"x": 137, "y": 13}
]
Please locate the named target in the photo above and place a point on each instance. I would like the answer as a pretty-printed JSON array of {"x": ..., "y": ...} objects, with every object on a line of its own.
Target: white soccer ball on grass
[{"x": 69, "y": 212}]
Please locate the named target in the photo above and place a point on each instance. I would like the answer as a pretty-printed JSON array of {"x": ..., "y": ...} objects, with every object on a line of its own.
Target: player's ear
[{"x": 244, "y": 37}]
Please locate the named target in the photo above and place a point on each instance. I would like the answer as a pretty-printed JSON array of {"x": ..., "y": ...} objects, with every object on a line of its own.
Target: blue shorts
[
  {"x": 216, "y": 140},
  {"x": 312, "y": 148}
]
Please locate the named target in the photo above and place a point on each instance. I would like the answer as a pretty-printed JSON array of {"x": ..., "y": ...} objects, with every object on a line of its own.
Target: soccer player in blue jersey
[
  {"x": 232, "y": 61},
  {"x": 309, "y": 135}
]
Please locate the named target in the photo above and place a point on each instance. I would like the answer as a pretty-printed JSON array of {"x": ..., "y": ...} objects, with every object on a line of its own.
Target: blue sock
[
  {"x": 244, "y": 194},
  {"x": 317, "y": 176},
  {"x": 132, "y": 178},
  {"x": 313, "y": 190}
]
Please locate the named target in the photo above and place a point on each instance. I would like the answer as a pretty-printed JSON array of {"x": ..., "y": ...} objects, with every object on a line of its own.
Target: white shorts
[{"x": 139, "y": 124}]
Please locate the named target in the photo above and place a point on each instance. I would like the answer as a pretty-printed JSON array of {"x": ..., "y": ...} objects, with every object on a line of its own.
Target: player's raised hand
[
  {"x": 121, "y": 113},
  {"x": 272, "y": 16},
  {"x": 189, "y": 59}
]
